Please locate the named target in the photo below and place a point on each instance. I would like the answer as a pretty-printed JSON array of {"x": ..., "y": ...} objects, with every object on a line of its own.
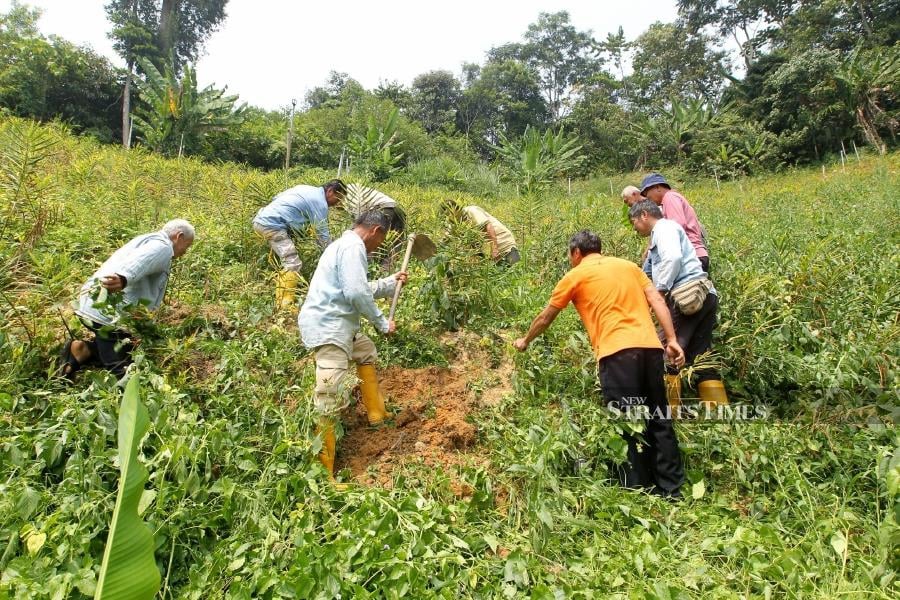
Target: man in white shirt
[
  {"x": 329, "y": 322},
  {"x": 136, "y": 274}
]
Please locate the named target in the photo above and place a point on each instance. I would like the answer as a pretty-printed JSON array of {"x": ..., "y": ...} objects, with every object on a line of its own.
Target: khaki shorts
[
  {"x": 333, "y": 384},
  {"x": 282, "y": 245}
]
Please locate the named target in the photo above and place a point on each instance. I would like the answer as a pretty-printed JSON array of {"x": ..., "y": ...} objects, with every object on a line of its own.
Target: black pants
[
  {"x": 694, "y": 333},
  {"x": 110, "y": 348},
  {"x": 634, "y": 377},
  {"x": 704, "y": 263}
]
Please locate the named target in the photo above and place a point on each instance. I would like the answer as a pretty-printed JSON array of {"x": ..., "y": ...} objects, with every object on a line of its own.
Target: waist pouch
[{"x": 689, "y": 298}]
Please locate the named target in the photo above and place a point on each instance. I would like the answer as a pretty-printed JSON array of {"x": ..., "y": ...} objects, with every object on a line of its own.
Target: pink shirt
[{"x": 676, "y": 208}]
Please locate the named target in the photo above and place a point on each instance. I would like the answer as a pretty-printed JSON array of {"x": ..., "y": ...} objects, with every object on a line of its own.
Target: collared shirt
[
  {"x": 339, "y": 293},
  {"x": 481, "y": 218},
  {"x": 610, "y": 296},
  {"x": 675, "y": 207},
  {"x": 293, "y": 208},
  {"x": 671, "y": 260},
  {"x": 144, "y": 262}
]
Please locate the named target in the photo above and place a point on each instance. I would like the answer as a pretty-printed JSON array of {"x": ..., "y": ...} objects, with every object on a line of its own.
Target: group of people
[{"x": 612, "y": 296}]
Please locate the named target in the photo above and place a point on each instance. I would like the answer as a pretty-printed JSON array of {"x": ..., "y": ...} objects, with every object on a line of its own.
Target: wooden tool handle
[{"x": 409, "y": 247}]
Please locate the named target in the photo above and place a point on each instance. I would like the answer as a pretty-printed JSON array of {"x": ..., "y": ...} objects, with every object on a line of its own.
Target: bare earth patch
[{"x": 431, "y": 426}]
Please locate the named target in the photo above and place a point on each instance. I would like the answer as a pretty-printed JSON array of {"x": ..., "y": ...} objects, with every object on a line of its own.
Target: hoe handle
[{"x": 409, "y": 247}]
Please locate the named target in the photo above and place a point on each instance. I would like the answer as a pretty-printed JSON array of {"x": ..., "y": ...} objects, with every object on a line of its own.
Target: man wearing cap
[
  {"x": 673, "y": 265},
  {"x": 676, "y": 208},
  {"x": 614, "y": 299},
  {"x": 289, "y": 213},
  {"x": 329, "y": 322},
  {"x": 135, "y": 275}
]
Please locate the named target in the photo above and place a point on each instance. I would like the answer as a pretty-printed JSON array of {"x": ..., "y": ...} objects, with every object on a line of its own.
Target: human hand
[
  {"x": 392, "y": 327},
  {"x": 675, "y": 354},
  {"x": 401, "y": 276},
  {"x": 521, "y": 344},
  {"x": 113, "y": 283}
]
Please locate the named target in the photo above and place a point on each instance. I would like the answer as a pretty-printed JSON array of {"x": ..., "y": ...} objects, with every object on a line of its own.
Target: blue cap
[{"x": 653, "y": 179}]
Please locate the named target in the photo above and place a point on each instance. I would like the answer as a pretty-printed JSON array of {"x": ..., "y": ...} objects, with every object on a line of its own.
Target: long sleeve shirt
[
  {"x": 144, "y": 262},
  {"x": 340, "y": 293},
  {"x": 675, "y": 207},
  {"x": 671, "y": 258},
  {"x": 295, "y": 208}
]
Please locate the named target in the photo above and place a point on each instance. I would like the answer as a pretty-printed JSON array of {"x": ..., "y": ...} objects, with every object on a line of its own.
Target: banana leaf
[{"x": 129, "y": 569}]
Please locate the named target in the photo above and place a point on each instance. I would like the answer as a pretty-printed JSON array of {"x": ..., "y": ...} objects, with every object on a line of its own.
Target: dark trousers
[
  {"x": 110, "y": 348},
  {"x": 694, "y": 333},
  {"x": 633, "y": 377},
  {"x": 704, "y": 263}
]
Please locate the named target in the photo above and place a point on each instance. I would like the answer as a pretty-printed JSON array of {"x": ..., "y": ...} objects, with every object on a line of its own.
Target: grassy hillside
[{"x": 491, "y": 479}]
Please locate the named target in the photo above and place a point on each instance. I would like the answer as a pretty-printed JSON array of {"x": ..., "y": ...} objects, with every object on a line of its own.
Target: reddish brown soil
[{"x": 429, "y": 426}]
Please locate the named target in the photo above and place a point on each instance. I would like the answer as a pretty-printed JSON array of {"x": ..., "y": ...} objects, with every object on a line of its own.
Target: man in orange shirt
[{"x": 613, "y": 297}]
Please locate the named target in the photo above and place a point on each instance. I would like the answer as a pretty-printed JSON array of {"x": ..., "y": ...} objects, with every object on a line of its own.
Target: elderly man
[
  {"x": 613, "y": 297},
  {"x": 631, "y": 195},
  {"x": 692, "y": 300},
  {"x": 675, "y": 207},
  {"x": 136, "y": 274},
  {"x": 289, "y": 213},
  {"x": 329, "y": 321}
]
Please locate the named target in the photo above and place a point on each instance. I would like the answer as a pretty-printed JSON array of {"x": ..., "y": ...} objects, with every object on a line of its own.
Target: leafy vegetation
[{"x": 801, "y": 505}]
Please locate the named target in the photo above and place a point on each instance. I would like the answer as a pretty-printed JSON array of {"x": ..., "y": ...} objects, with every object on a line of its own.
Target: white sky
[{"x": 269, "y": 51}]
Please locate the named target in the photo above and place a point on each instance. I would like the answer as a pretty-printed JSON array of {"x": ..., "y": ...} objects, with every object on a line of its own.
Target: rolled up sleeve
[{"x": 384, "y": 287}]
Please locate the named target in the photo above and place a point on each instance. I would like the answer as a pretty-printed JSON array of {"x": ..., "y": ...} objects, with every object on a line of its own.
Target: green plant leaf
[{"x": 129, "y": 568}]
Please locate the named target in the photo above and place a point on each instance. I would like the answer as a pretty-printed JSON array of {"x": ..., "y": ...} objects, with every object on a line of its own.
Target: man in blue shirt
[
  {"x": 289, "y": 213},
  {"x": 672, "y": 263},
  {"x": 329, "y": 321},
  {"x": 136, "y": 274}
]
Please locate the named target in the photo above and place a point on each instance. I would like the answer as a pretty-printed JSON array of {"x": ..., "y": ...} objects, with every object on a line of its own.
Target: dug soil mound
[
  {"x": 429, "y": 423},
  {"x": 430, "y": 407}
]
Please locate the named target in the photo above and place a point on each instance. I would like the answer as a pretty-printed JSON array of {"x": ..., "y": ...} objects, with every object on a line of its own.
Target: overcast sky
[{"x": 269, "y": 51}]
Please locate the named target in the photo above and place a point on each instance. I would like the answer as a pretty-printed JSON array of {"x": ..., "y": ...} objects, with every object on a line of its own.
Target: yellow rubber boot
[
  {"x": 712, "y": 393},
  {"x": 325, "y": 428},
  {"x": 371, "y": 395},
  {"x": 673, "y": 394},
  {"x": 286, "y": 289}
]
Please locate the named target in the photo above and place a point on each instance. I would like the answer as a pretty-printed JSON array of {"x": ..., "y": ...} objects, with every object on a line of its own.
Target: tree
[
  {"x": 503, "y": 101},
  {"x": 51, "y": 78},
  {"x": 872, "y": 83},
  {"x": 672, "y": 63},
  {"x": 434, "y": 99},
  {"x": 561, "y": 56},
  {"x": 172, "y": 33},
  {"x": 178, "y": 115}
]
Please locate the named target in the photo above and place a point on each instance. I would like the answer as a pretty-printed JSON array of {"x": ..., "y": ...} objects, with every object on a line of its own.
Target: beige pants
[
  {"x": 332, "y": 365},
  {"x": 282, "y": 245}
]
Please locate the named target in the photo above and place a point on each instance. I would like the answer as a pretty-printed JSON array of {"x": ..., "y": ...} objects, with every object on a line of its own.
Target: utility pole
[{"x": 290, "y": 136}]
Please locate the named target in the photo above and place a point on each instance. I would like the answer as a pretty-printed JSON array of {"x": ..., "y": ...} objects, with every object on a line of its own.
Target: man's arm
[
  {"x": 538, "y": 326},
  {"x": 658, "y": 304},
  {"x": 667, "y": 268},
  {"x": 356, "y": 288},
  {"x": 153, "y": 256}
]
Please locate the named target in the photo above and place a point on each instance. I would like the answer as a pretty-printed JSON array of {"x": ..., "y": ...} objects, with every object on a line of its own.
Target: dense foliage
[
  {"x": 802, "y": 505},
  {"x": 729, "y": 88}
]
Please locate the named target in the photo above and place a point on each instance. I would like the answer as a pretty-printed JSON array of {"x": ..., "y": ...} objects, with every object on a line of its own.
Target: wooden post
[
  {"x": 290, "y": 136},
  {"x": 855, "y": 150},
  {"x": 716, "y": 175},
  {"x": 611, "y": 192},
  {"x": 823, "y": 171},
  {"x": 843, "y": 169},
  {"x": 570, "y": 186}
]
